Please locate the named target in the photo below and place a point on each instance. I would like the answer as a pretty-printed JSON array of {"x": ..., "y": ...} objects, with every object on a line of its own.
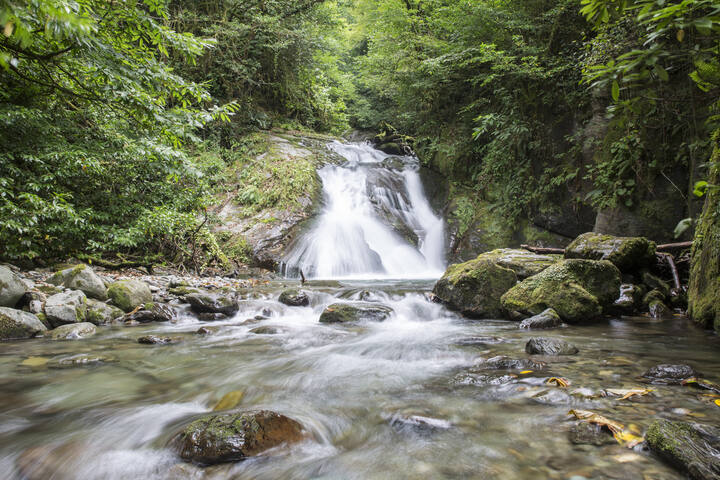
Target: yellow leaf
[
  {"x": 8, "y": 30},
  {"x": 525, "y": 371},
  {"x": 559, "y": 381},
  {"x": 717, "y": 402},
  {"x": 230, "y": 400},
  {"x": 34, "y": 362},
  {"x": 626, "y": 393},
  {"x": 680, "y": 35}
]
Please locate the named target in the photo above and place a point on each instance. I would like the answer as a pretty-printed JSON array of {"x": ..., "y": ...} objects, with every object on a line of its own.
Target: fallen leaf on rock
[
  {"x": 559, "y": 381},
  {"x": 34, "y": 362},
  {"x": 701, "y": 383},
  {"x": 626, "y": 393},
  {"x": 526, "y": 371},
  {"x": 717, "y": 402},
  {"x": 623, "y": 436}
]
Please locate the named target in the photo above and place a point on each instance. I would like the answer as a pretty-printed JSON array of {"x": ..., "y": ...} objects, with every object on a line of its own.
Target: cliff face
[{"x": 704, "y": 288}]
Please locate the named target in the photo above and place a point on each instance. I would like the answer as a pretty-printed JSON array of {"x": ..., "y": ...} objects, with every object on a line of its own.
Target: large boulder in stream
[
  {"x": 232, "y": 437},
  {"x": 128, "y": 294},
  {"x": 83, "y": 278},
  {"x": 550, "y": 346},
  {"x": 576, "y": 289},
  {"x": 66, "y": 307},
  {"x": 206, "y": 302},
  {"x": 73, "y": 331},
  {"x": 626, "y": 253},
  {"x": 12, "y": 288},
  {"x": 690, "y": 447},
  {"x": 354, "y": 312},
  {"x": 101, "y": 313},
  {"x": 18, "y": 324},
  {"x": 294, "y": 298}
]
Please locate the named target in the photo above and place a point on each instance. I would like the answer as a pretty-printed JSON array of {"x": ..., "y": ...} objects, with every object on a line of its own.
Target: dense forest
[{"x": 359, "y": 239}]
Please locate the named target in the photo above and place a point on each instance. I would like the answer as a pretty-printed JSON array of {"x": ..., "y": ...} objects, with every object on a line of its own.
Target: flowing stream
[{"x": 390, "y": 400}]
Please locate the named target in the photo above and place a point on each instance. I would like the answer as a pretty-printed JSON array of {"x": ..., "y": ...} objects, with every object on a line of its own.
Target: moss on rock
[
  {"x": 474, "y": 288},
  {"x": 353, "y": 312},
  {"x": 626, "y": 253},
  {"x": 576, "y": 289},
  {"x": 128, "y": 294},
  {"x": 692, "y": 448}
]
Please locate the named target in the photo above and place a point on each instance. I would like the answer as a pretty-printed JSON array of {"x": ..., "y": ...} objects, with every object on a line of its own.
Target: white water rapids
[{"x": 376, "y": 221}]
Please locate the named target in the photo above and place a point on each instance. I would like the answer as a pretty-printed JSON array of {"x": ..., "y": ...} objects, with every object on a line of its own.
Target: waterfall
[{"x": 376, "y": 221}]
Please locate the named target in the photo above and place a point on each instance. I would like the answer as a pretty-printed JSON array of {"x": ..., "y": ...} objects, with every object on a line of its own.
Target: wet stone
[
  {"x": 502, "y": 362},
  {"x": 153, "y": 312},
  {"x": 480, "y": 379},
  {"x": 73, "y": 331},
  {"x": 584, "y": 433},
  {"x": 206, "y": 331},
  {"x": 549, "y": 346},
  {"x": 155, "y": 340},
  {"x": 80, "y": 360},
  {"x": 479, "y": 341},
  {"x": 690, "y": 447},
  {"x": 418, "y": 424},
  {"x": 234, "y": 437},
  {"x": 294, "y": 298},
  {"x": 670, "y": 374},
  {"x": 265, "y": 330},
  {"x": 213, "y": 303},
  {"x": 546, "y": 319},
  {"x": 553, "y": 397},
  {"x": 211, "y": 317}
]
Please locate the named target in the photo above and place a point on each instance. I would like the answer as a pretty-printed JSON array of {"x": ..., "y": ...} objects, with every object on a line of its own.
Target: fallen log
[
  {"x": 543, "y": 250},
  {"x": 670, "y": 260},
  {"x": 673, "y": 246}
]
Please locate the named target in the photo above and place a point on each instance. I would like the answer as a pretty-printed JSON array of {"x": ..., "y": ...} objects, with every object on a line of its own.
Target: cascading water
[{"x": 376, "y": 221}]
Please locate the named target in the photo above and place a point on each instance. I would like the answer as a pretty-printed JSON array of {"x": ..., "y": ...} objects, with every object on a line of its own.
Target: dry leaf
[
  {"x": 526, "y": 371},
  {"x": 34, "y": 362},
  {"x": 623, "y": 436},
  {"x": 702, "y": 383},
  {"x": 626, "y": 393},
  {"x": 230, "y": 400},
  {"x": 559, "y": 381}
]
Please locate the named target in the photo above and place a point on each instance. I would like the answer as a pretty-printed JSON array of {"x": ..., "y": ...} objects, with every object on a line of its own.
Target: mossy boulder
[
  {"x": 576, "y": 289},
  {"x": 100, "y": 313},
  {"x": 704, "y": 284},
  {"x": 690, "y": 447},
  {"x": 523, "y": 262},
  {"x": 474, "y": 288},
  {"x": 355, "y": 312},
  {"x": 81, "y": 277},
  {"x": 294, "y": 298},
  {"x": 546, "y": 319},
  {"x": 206, "y": 302},
  {"x": 73, "y": 331},
  {"x": 233, "y": 437},
  {"x": 66, "y": 307},
  {"x": 626, "y": 253},
  {"x": 12, "y": 288},
  {"x": 18, "y": 324},
  {"x": 128, "y": 294}
]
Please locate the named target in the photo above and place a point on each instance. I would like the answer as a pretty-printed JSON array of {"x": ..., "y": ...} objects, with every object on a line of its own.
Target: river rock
[
  {"x": 153, "y": 312},
  {"x": 66, "y": 307},
  {"x": 80, "y": 360},
  {"x": 233, "y": 437},
  {"x": 478, "y": 379},
  {"x": 670, "y": 374},
  {"x": 205, "y": 302},
  {"x": 523, "y": 262},
  {"x": 474, "y": 288},
  {"x": 628, "y": 299},
  {"x": 502, "y": 362},
  {"x": 12, "y": 288},
  {"x": 545, "y": 319},
  {"x": 656, "y": 283},
  {"x": 658, "y": 309},
  {"x": 549, "y": 346},
  {"x": 479, "y": 341},
  {"x": 353, "y": 312},
  {"x": 18, "y": 324},
  {"x": 576, "y": 289},
  {"x": 585, "y": 433},
  {"x": 73, "y": 331},
  {"x": 101, "y": 313},
  {"x": 294, "y": 298},
  {"x": 155, "y": 340},
  {"x": 418, "y": 424},
  {"x": 690, "y": 447},
  {"x": 626, "y": 253},
  {"x": 128, "y": 294},
  {"x": 265, "y": 330},
  {"x": 83, "y": 278}
]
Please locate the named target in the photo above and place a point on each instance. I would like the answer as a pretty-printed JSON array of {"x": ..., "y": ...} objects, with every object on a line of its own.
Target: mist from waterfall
[{"x": 375, "y": 222}]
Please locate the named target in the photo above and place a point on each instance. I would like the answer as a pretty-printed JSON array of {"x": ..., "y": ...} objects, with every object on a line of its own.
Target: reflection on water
[{"x": 380, "y": 398}]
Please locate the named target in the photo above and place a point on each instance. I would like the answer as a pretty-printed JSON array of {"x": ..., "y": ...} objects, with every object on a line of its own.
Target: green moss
[{"x": 704, "y": 285}]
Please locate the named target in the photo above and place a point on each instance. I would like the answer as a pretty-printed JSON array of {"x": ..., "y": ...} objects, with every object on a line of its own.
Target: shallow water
[{"x": 346, "y": 384}]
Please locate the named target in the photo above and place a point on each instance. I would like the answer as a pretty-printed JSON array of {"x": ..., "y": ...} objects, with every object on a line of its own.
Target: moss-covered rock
[
  {"x": 19, "y": 324},
  {"x": 128, "y": 294},
  {"x": 11, "y": 288},
  {"x": 100, "y": 313},
  {"x": 294, "y": 298},
  {"x": 626, "y": 253},
  {"x": 704, "y": 284},
  {"x": 354, "y": 312},
  {"x": 233, "y": 437},
  {"x": 474, "y": 288},
  {"x": 81, "y": 277},
  {"x": 546, "y": 319},
  {"x": 206, "y": 302},
  {"x": 576, "y": 289},
  {"x": 66, "y": 307},
  {"x": 523, "y": 262},
  {"x": 690, "y": 447}
]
